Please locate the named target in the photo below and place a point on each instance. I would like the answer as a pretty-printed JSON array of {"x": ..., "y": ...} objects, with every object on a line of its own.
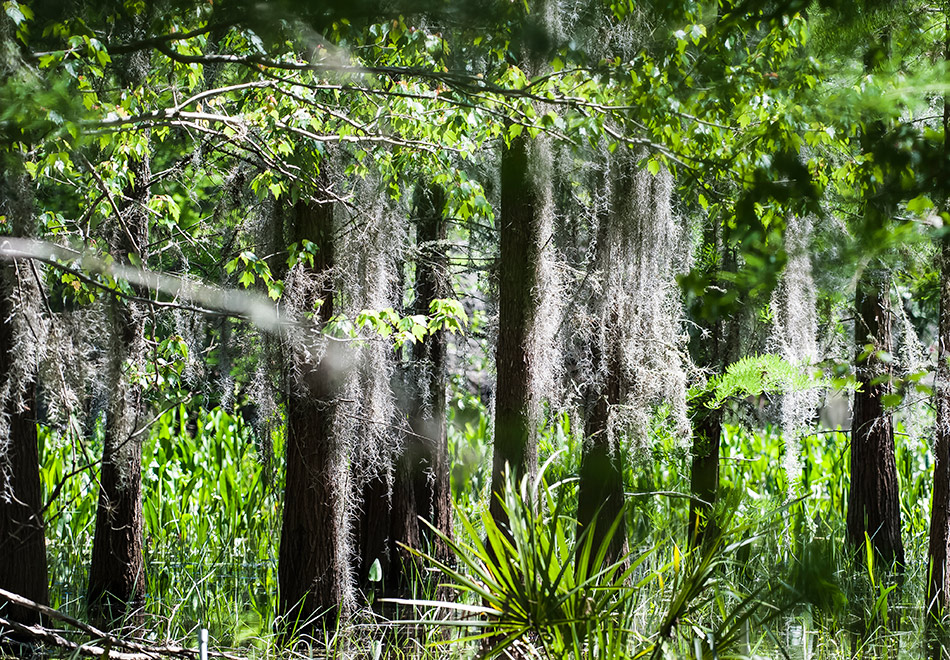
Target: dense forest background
[{"x": 555, "y": 328}]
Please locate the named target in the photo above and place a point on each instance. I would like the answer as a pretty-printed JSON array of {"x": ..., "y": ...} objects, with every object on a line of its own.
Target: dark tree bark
[
  {"x": 426, "y": 461},
  {"x": 116, "y": 572},
  {"x": 518, "y": 262},
  {"x": 704, "y": 474},
  {"x": 420, "y": 480},
  {"x": 311, "y": 571},
  {"x": 23, "y": 567},
  {"x": 116, "y": 588},
  {"x": 938, "y": 586},
  {"x": 379, "y": 520},
  {"x": 710, "y": 350},
  {"x": 600, "y": 497},
  {"x": 873, "y": 499}
]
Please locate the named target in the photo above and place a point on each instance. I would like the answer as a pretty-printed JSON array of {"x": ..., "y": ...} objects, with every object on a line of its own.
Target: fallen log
[
  {"x": 52, "y": 638},
  {"x": 111, "y": 645}
]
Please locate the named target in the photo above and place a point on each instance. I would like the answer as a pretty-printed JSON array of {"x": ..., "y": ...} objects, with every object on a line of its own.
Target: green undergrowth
[
  {"x": 780, "y": 579},
  {"x": 211, "y": 511}
]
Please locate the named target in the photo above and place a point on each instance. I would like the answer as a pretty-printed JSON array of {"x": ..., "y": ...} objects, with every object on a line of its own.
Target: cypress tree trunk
[
  {"x": 421, "y": 485},
  {"x": 629, "y": 334},
  {"x": 600, "y": 495},
  {"x": 382, "y": 519},
  {"x": 420, "y": 478},
  {"x": 116, "y": 586},
  {"x": 116, "y": 572},
  {"x": 704, "y": 474},
  {"x": 518, "y": 263},
  {"x": 873, "y": 500},
  {"x": 712, "y": 349},
  {"x": 426, "y": 460},
  {"x": 938, "y": 586},
  {"x": 23, "y": 567},
  {"x": 311, "y": 572}
]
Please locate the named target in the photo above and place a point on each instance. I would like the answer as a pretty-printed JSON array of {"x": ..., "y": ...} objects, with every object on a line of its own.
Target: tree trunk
[
  {"x": 873, "y": 500},
  {"x": 704, "y": 474},
  {"x": 426, "y": 459},
  {"x": 386, "y": 506},
  {"x": 116, "y": 589},
  {"x": 23, "y": 568},
  {"x": 311, "y": 572},
  {"x": 517, "y": 278},
  {"x": 116, "y": 572},
  {"x": 600, "y": 497},
  {"x": 938, "y": 586},
  {"x": 421, "y": 486},
  {"x": 420, "y": 478},
  {"x": 712, "y": 350}
]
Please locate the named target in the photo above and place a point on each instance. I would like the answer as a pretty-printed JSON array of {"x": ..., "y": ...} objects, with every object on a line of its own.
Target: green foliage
[
  {"x": 212, "y": 513},
  {"x": 535, "y": 584},
  {"x": 543, "y": 590},
  {"x": 254, "y": 268},
  {"x": 754, "y": 375},
  {"x": 242, "y": 113}
]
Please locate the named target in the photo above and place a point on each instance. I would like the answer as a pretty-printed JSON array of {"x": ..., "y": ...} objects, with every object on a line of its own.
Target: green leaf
[
  {"x": 891, "y": 400},
  {"x": 920, "y": 204},
  {"x": 375, "y": 571}
]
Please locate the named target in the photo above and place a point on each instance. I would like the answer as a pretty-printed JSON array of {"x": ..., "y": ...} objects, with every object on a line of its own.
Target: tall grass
[
  {"x": 212, "y": 520},
  {"x": 780, "y": 577},
  {"x": 842, "y": 609}
]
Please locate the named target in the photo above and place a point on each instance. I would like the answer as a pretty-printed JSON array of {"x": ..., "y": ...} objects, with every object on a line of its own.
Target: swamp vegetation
[{"x": 436, "y": 329}]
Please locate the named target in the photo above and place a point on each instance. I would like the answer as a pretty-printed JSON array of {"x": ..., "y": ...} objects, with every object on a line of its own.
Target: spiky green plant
[
  {"x": 536, "y": 585},
  {"x": 529, "y": 584}
]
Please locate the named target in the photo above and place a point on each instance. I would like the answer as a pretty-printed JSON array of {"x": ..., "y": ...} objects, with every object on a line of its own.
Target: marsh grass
[
  {"x": 211, "y": 512},
  {"x": 779, "y": 582}
]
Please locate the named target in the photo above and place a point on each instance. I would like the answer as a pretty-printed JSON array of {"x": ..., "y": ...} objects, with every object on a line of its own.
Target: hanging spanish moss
[
  {"x": 312, "y": 568},
  {"x": 26, "y": 326},
  {"x": 634, "y": 301},
  {"x": 794, "y": 332},
  {"x": 914, "y": 413},
  {"x": 545, "y": 353},
  {"x": 372, "y": 250},
  {"x": 23, "y": 566},
  {"x": 70, "y": 371},
  {"x": 629, "y": 343}
]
